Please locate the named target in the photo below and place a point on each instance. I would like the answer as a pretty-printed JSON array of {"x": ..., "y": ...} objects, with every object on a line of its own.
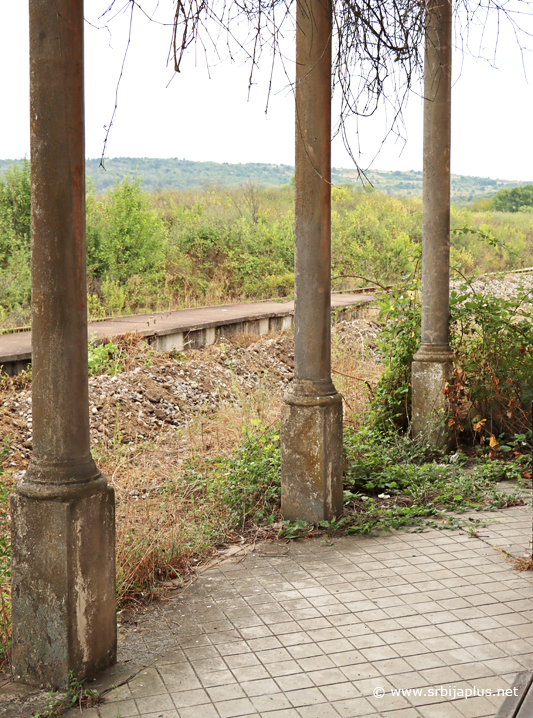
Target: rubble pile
[
  {"x": 497, "y": 285},
  {"x": 163, "y": 392}
]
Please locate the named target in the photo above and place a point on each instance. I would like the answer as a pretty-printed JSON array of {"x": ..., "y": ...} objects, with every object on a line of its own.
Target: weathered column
[
  {"x": 63, "y": 554},
  {"x": 432, "y": 364},
  {"x": 311, "y": 419}
]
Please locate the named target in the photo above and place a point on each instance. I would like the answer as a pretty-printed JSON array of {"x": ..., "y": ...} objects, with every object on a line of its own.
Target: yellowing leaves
[{"x": 478, "y": 425}]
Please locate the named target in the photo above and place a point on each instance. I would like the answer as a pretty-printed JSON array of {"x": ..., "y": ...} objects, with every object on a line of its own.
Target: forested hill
[{"x": 184, "y": 174}]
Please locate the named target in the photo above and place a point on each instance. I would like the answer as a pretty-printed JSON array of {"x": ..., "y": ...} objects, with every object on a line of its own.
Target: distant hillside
[{"x": 183, "y": 174}]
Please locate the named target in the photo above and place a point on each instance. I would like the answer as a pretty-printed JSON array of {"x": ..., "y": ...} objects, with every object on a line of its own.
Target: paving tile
[
  {"x": 296, "y": 638},
  {"x": 305, "y": 650},
  {"x": 339, "y": 645},
  {"x": 388, "y": 702},
  {"x": 486, "y": 651},
  {"x": 112, "y": 708},
  {"x": 428, "y": 660},
  {"x": 440, "y": 710},
  {"x": 234, "y": 708},
  {"x": 439, "y": 676},
  {"x": 379, "y": 653},
  {"x": 322, "y": 710},
  {"x": 233, "y": 648},
  {"x": 354, "y": 707},
  {"x": 250, "y": 673},
  {"x": 283, "y": 668},
  {"x": 274, "y": 655},
  {"x": 309, "y": 624},
  {"x": 287, "y": 713},
  {"x": 327, "y": 676},
  {"x": 456, "y": 655},
  {"x": 221, "y": 637},
  {"x": 367, "y": 640},
  {"x": 200, "y": 711},
  {"x": 270, "y": 702},
  {"x": 208, "y": 665},
  {"x": 393, "y": 665},
  {"x": 341, "y": 691},
  {"x": 151, "y": 704},
  {"x": 305, "y": 697},
  {"x": 241, "y": 660},
  {"x": 316, "y": 663},
  {"x": 468, "y": 640},
  {"x": 183, "y": 699},
  {"x": 225, "y": 693},
  {"x": 217, "y": 678},
  {"x": 422, "y": 633},
  {"x": 148, "y": 683},
  {"x": 194, "y": 654},
  {"x": 259, "y": 687},
  {"x": 263, "y": 644},
  {"x": 411, "y": 648},
  {"x": 294, "y": 682}
]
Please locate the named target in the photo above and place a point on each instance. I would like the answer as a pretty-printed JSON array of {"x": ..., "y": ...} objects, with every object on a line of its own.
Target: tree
[{"x": 515, "y": 199}]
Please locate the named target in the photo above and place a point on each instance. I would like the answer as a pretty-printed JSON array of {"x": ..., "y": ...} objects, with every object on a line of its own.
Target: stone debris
[
  {"x": 498, "y": 285},
  {"x": 162, "y": 392}
]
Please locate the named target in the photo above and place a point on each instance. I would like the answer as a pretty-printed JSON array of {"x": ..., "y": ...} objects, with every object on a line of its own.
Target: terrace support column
[
  {"x": 432, "y": 365},
  {"x": 63, "y": 552},
  {"x": 311, "y": 418}
]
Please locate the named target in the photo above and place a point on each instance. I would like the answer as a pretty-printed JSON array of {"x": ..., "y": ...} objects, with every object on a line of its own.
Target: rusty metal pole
[
  {"x": 63, "y": 553},
  {"x": 432, "y": 363},
  {"x": 311, "y": 432}
]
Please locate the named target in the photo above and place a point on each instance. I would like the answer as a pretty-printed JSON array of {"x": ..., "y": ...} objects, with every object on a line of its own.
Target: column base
[
  {"x": 63, "y": 590},
  {"x": 311, "y": 458},
  {"x": 429, "y": 405}
]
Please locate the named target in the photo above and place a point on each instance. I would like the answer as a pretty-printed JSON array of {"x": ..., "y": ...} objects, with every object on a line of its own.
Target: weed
[
  {"x": 105, "y": 359},
  {"x": 76, "y": 696}
]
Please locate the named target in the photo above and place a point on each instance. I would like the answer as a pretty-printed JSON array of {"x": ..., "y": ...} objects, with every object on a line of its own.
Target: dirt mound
[{"x": 159, "y": 392}]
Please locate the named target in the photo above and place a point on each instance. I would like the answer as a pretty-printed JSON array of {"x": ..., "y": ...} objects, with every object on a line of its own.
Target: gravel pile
[
  {"x": 500, "y": 286},
  {"x": 163, "y": 392}
]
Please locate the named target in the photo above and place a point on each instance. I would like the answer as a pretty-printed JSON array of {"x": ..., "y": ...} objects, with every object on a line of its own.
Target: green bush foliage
[
  {"x": 491, "y": 339},
  {"x": 167, "y": 250},
  {"x": 15, "y": 243},
  {"x": 516, "y": 199}
]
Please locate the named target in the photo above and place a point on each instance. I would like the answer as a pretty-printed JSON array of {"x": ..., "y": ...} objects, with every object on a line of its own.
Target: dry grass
[
  {"x": 167, "y": 519},
  {"x": 356, "y": 373},
  {"x": 168, "y": 522},
  {"x": 170, "y": 518}
]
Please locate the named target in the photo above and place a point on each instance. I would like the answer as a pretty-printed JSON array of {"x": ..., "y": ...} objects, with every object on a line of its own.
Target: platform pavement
[
  {"x": 16, "y": 348},
  {"x": 313, "y": 629}
]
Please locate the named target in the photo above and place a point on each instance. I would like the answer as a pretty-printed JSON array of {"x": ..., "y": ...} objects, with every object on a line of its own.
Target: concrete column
[
  {"x": 432, "y": 364},
  {"x": 63, "y": 552},
  {"x": 311, "y": 419}
]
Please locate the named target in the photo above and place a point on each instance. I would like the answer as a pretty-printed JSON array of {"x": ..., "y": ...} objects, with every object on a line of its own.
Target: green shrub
[
  {"x": 125, "y": 236},
  {"x": 104, "y": 359},
  {"x": 515, "y": 199},
  {"x": 492, "y": 341},
  {"x": 15, "y": 209}
]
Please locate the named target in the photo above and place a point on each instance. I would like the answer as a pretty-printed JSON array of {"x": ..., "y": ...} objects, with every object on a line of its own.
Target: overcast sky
[{"x": 207, "y": 115}]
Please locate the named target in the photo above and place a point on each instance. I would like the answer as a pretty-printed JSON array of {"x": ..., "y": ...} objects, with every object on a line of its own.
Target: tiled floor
[{"x": 322, "y": 631}]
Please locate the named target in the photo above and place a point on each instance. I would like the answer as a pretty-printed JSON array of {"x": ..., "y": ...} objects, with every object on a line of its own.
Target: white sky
[{"x": 198, "y": 117}]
